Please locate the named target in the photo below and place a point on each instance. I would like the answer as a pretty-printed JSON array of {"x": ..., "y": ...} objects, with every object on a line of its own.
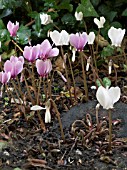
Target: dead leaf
[{"x": 102, "y": 42}]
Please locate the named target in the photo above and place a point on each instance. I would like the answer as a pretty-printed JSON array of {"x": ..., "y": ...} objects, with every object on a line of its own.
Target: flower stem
[
  {"x": 68, "y": 84},
  {"x": 38, "y": 112},
  {"x": 28, "y": 90},
  {"x": 17, "y": 45},
  {"x": 33, "y": 82},
  {"x": 97, "y": 40},
  {"x": 72, "y": 77},
  {"x": 84, "y": 75},
  {"x": 110, "y": 129},
  {"x": 59, "y": 119}
]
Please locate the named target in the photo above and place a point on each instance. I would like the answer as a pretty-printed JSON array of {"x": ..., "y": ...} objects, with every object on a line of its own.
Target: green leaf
[
  {"x": 68, "y": 19},
  {"x": 7, "y": 55},
  {"x": 87, "y": 9},
  {"x": 106, "y": 82},
  {"x": 116, "y": 24},
  {"x": 65, "y": 5},
  {"x": 38, "y": 23},
  {"x": 4, "y": 35},
  {"x": 33, "y": 14},
  {"x": 98, "y": 83},
  {"x": 23, "y": 35},
  {"x": 107, "y": 51},
  {"x": 2, "y": 26},
  {"x": 124, "y": 13},
  {"x": 107, "y": 12},
  {"x": 5, "y": 13},
  {"x": 17, "y": 169}
]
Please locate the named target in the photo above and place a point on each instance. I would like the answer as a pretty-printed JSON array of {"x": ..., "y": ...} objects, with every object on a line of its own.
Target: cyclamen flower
[
  {"x": 116, "y": 36},
  {"x": 46, "y": 50},
  {"x": 107, "y": 97},
  {"x": 91, "y": 37},
  {"x": 59, "y": 38},
  {"x": 99, "y": 23},
  {"x": 78, "y": 16},
  {"x": 45, "y": 19},
  {"x": 43, "y": 67},
  {"x": 5, "y": 77},
  {"x": 14, "y": 66},
  {"x": 31, "y": 53},
  {"x": 13, "y": 28},
  {"x": 78, "y": 40}
]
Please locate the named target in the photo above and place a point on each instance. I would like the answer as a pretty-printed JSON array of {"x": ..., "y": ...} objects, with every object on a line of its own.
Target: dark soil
[{"x": 27, "y": 147}]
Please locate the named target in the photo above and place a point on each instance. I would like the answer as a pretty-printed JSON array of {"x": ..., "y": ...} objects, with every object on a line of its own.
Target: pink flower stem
[
  {"x": 45, "y": 91},
  {"x": 73, "y": 79},
  {"x": 38, "y": 112},
  {"x": 49, "y": 87},
  {"x": 28, "y": 90},
  {"x": 84, "y": 75},
  {"x": 59, "y": 119},
  {"x": 66, "y": 72},
  {"x": 33, "y": 81}
]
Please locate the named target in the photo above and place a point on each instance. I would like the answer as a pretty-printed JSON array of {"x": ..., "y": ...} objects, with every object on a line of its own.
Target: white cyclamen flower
[
  {"x": 107, "y": 97},
  {"x": 116, "y": 36},
  {"x": 78, "y": 16},
  {"x": 45, "y": 19},
  {"x": 60, "y": 38},
  {"x": 99, "y": 23},
  {"x": 91, "y": 37}
]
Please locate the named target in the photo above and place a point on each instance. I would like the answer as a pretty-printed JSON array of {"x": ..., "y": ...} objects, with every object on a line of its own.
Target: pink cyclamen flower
[
  {"x": 14, "y": 66},
  {"x": 43, "y": 67},
  {"x": 46, "y": 50},
  {"x": 5, "y": 77},
  {"x": 78, "y": 40},
  {"x": 13, "y": 28},
  {"x": 31, "y": 53}
]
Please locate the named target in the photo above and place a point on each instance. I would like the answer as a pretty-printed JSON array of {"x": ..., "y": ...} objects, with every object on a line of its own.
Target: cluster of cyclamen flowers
[{"x": 41, "y": 53}]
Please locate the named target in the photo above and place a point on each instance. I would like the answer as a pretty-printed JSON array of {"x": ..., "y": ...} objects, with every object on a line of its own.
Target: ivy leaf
[
  {"x": 68, "y": 19},
  {"x": 124, "y": 13},
  {"x": 65, "y": 5},
  {"x": 107, "y": 51},
  {"x": 5, "y": 13},
  {"x": 106, "y": 82},
  {"x": 87, "y": 9},
  {"x": 23, "y": 35}
]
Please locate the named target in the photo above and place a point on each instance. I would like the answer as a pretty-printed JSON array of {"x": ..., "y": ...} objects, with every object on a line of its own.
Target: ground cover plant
[{"x": 63, "y": 85}]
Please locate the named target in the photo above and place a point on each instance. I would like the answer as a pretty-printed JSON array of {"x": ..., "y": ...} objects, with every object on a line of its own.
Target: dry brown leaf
[
  {"x": 102, "y": 42},
  {"x": 59, "y": 63}
]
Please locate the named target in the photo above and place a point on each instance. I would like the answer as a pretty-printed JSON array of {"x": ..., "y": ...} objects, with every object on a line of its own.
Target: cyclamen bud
[{"x": 110, "y": 67}]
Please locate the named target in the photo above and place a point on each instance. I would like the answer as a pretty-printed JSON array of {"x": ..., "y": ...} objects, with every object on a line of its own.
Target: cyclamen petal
[
  {"x": 99, "y": 23},
  {"x": 116, "y": 36},
  {"x": 59, "y": 38},
  {"x": 103, "y": 98},
  {"x": 91, "y": 37},
  {"x": 115, "y": 93},
  {"x": 43, "y": 67},
  {"x": 78, "y": 16},
  {"x": 78, "y": 40},
  {"x": 13, "y": 28},
  {"x": 46, "y": 50},
  {"x": 107, "y": 97},
  {"x": 4, "y": 77}
]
